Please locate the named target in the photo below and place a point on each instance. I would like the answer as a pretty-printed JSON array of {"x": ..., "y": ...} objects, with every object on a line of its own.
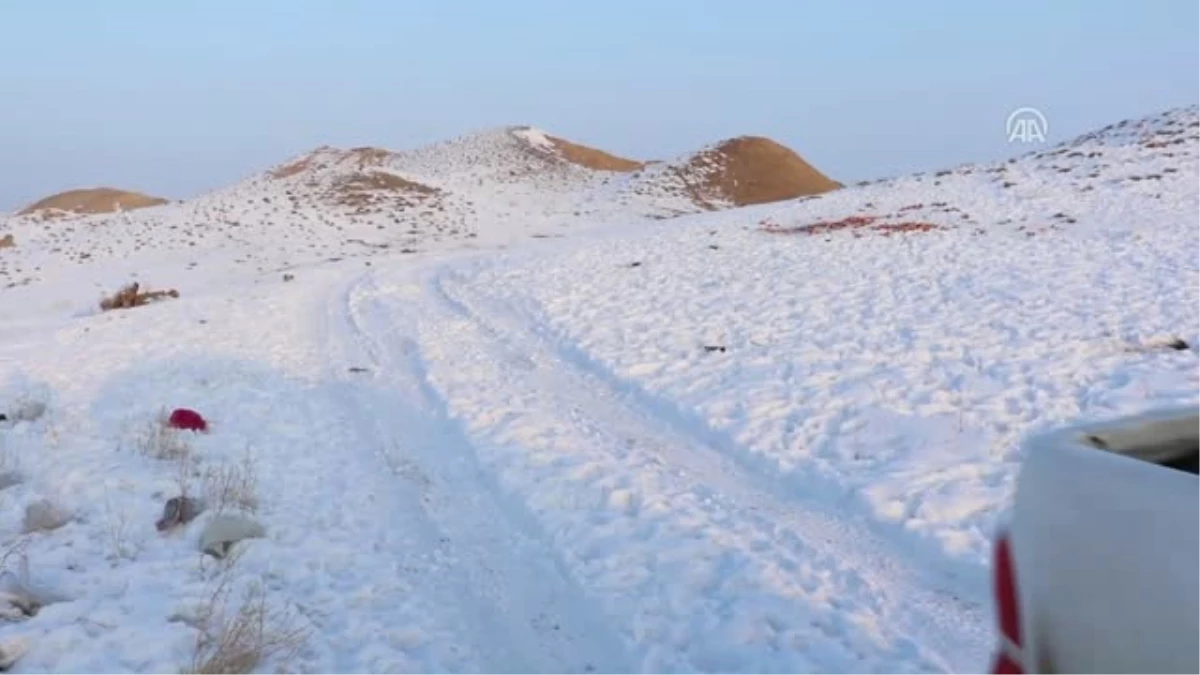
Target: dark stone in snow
[{"x": 178, "y": 511}]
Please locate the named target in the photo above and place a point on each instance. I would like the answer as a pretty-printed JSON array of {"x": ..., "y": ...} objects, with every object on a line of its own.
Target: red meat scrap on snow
[{"x": 188, "y": 420}]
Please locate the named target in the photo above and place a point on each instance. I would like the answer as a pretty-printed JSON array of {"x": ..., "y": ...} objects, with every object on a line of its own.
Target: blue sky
[{"x": 178, "y": 97}]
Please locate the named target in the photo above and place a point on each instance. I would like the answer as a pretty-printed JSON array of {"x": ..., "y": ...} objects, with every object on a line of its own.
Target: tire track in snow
[
  {"x": 498, "y": 584},
  {"x": 804, "y": 488},
  {"x": 855, "y": 566},
  {"x": 388, "y": 611}
]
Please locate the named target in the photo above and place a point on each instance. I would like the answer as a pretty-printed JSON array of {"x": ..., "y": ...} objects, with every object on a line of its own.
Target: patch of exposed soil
[
  {"x": 375, "y": 187},
  {"x": 592, "y": 158},
  {"x": 292, "y": 168},
  {"x": 367, "y": 157},
  {"x": 752, "y": 170},
  {"x": 92, "y": 200}
]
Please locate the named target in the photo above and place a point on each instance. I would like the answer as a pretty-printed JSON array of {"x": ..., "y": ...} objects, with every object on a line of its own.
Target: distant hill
[
  {"x": 495, "y": 174},
  {"x": 737, "y": 172},
  {"x": 527, "y": 169},
  {"x": 489, "y": 188},
  {"x": 90, "y": 201}
]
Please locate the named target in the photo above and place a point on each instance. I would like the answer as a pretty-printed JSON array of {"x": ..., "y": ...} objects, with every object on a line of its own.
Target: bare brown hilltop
[
  {"x": 591, "y": 158},
  {"x": 91, "y": 201},
  {"x": 326, "y": 156},
  {"x": 356, "y": 181},
  {"x": 750, "y": 170}
]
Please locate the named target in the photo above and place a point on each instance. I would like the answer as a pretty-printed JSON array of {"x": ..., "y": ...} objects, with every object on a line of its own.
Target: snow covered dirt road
[
  {"x": 668, "y": 542},
  {"x": 511, "y": 603}
]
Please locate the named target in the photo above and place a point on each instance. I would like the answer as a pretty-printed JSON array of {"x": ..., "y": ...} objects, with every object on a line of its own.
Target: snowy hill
[
  {"x": 738, "y": 172},
  {"x": 766, "y": 438},
  {"x": 88, "y": 201},
  {"x": 488, "y": 189}
]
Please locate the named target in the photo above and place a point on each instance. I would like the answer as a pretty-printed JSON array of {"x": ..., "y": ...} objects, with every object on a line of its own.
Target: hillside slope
[
  {"x": 497, "y": 188},
  {"x": 488, "y": 189},
  {"x": 741, "y": 171}
]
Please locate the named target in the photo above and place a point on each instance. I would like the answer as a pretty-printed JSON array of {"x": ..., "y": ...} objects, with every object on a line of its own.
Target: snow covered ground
[{"x": 723, "y": 442}]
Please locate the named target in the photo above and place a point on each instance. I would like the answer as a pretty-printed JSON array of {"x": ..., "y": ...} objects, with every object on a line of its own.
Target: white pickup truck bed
[{"x": 1097, "y": 570}]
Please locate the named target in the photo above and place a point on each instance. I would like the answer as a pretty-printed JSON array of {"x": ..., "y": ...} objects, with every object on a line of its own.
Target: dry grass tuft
[
  {"x": 232, "y": 486},
  {"x": 15, "y": 551},
  {"x": 239, "y": 639},
  {"x": 159, "y": 441},
  {"x": 117, "y": 528},
  {"x": 132, "y": 296},
  {"x": 18, "y": 600},
  {"x": 7, "y": 241}
]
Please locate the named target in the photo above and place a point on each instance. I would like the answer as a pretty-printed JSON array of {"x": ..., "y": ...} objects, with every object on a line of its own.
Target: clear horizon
[{"x": 176, "y": 100}]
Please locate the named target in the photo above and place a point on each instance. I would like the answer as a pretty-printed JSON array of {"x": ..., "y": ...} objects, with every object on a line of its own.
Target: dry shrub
[
  {"x": 117, "y": 529},
  {"x": 15, "y": 552},
  {"x": 17, "y": 599},
  {"x": 241, "y": 638},
  {"x": 232, "y": 485},
  {"x": 159, "y": 441},
  {"x": 132, "y": 296},
  {"x": 7, "y": 241}
]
